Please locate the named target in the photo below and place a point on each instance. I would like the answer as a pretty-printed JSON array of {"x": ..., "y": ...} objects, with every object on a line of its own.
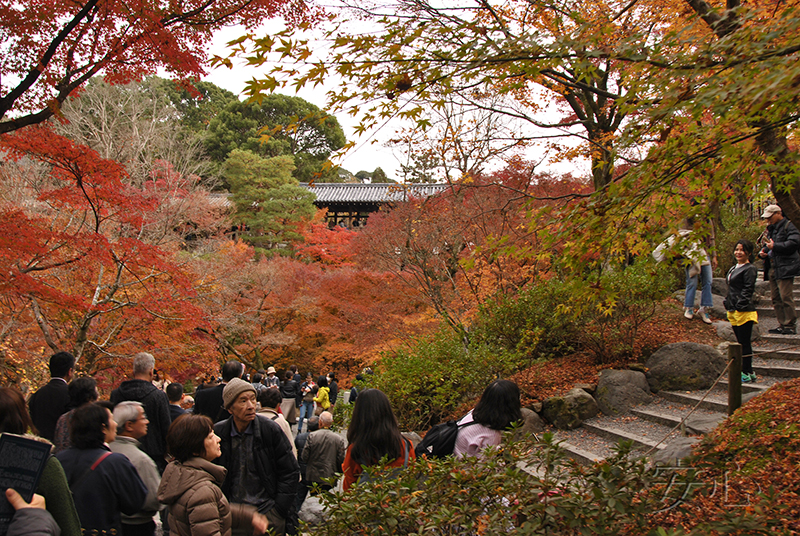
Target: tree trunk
[{"x": 775, "y": 145}]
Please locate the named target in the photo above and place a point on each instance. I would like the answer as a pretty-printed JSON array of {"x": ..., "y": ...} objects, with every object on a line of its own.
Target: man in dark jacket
[
  {"x": 208, "y": 402},
  {"x": 262, "y": 471},
  {"x": 51, "y": 401},
  {"x": 300, "y": 444},
  {"x": 782, "y": 264},
  {"x": 156, "y": 406}
]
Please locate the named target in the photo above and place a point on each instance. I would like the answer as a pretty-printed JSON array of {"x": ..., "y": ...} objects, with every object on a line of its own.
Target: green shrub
[
  {"x": 618, "y": 303},
  {"x": 520, "y": 488},
  {"x": 427, "y": 382},
  {"x": 539, "y": 322},
  {"x": 341, "y": 415},
  {"x": 601, "y": 314}
]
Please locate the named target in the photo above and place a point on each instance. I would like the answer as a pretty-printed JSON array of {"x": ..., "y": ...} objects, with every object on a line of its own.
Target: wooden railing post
[{"x": 734, "y": 377}]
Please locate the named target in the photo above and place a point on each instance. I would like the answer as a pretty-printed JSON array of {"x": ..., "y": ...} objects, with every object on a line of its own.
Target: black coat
[
  {"x": 290, "y": 389},
  {"x": 209, "y": 402},
  {"x": 156, "y": 407},
  {"x": 741, "y": 287},
  {"x": 785, "y": 258},
  {"x": 275, "y": 463},
  {"x": 47, "y": 405},
  {"x": 175, "y": 411},
  {"x": 101, "y": 493},
  {"x": 334, "y": 391}
]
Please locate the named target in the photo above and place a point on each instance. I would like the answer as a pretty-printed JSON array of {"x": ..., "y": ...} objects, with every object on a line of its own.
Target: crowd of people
[{"x": 242, "y": 460}]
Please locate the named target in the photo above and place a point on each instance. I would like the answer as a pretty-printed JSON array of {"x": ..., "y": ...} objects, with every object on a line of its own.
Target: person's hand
[
  {"x": 770, "y": 243},
  {"x": 18, "y": 502},
  {"x": 260, "y": 523}
]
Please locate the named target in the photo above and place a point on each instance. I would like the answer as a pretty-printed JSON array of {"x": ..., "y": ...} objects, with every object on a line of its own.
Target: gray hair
[
  {"x": 126, "y": 412},
  {"x": 325, "y": 419},
  {"x": 143, "y": 363}
]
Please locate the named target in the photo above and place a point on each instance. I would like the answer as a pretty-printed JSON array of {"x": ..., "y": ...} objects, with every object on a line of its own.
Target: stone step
[
  {"x": 789, "y": 341},
  {"x": 617, "y": 434},
  {"x": 781, "y": 353},
  {"x": 692, "y": 398},
  {"x": 777, "y": 371},
  {"x": 583, "y": 457},
  {"x": 765, "y": 311},
  {"x": 664, "y": 419},
  {"x": 749, "y": 387}
]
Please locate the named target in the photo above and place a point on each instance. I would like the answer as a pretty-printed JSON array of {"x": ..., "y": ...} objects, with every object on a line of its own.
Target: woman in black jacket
[{"x": 740, "y": 305}]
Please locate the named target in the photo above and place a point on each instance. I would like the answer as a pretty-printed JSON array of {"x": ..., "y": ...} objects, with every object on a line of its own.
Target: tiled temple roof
[{"x": 328, "y": 193}]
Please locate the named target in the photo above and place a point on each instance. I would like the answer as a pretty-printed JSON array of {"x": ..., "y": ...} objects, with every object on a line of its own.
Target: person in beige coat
[
  {"x": 190, "y": 485},
  {"x": 270, "y": 401}
]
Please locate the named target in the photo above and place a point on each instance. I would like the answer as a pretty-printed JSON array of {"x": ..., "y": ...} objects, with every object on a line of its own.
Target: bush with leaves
[
  {"x": 429, "y": 381},
  {"x": 598, "y": 313},
  {"x": 522, "y": 487},
  {"x": 617, "y": 303},
  {"x": 539, "y": 322}
]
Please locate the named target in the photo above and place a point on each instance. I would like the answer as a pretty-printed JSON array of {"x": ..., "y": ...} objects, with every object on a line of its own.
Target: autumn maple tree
[
  {"x": 52, "y": 48},
  {"x": 84, "y": 256},
  {"x": 692, "y": 96}
]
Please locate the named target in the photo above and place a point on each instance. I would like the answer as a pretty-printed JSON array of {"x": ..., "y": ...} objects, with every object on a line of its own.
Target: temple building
[{"x": 350, "y": 204}]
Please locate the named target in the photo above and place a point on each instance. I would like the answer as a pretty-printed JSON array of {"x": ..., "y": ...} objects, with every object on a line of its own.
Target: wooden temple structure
[{"x": 350, "y": 204}]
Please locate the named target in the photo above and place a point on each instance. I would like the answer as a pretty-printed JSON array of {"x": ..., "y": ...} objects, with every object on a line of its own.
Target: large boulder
[
  {"x": 719, "y": 286},
  {"x": 718, "y": 309},
  {"x": 312, "y": 512},
  {"x": 569, "y": 411},
  {"x": 701, "y": 424},
  {"x": 725, "y": 332},
  {"x": 619, "y": 390},
  {"x": 676, "y": 450},
  {"x": 531, "y": 422},
  {"x": 684, "y": 366}
]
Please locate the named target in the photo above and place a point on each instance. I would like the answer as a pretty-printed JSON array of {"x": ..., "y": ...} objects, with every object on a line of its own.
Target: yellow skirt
[{"x": 739, "y": 318}]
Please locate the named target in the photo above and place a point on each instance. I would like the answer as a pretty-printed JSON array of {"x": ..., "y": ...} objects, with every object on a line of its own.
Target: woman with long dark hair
[
  {"x": 482, "y": 427},
  {"x": 191, "y": 483},
  {"x": 372, "y": 435},
  {"x": 14, "y": 419},
  {"x": 740, "y": 305}
]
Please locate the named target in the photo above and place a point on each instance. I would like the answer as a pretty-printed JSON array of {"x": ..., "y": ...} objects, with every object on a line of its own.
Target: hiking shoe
[
  {"x": 704, "y": 315},
  {"x": 746, "y": 378},
  {"x": 753, "y": 377},
  {"x": 789, "y": 330},
  {"x": 688, "y": 313},
  {"x": 776, "y": 331}
]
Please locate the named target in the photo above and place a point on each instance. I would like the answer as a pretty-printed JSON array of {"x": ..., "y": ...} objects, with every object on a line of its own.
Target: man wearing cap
[
  {"x": 262, "y": 470},
  {"x": 781, "y": 265}
]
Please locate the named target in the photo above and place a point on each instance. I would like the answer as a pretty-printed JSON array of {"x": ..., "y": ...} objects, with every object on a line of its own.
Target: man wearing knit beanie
[{"x": 262, "y": 470}]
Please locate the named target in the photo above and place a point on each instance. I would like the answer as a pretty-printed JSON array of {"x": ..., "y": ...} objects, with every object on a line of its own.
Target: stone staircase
[{"x": 652, "y": 426}]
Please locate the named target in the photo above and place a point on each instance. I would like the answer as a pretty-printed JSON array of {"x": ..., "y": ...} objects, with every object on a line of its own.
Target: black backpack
[{"x": 440, "y": 440}]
